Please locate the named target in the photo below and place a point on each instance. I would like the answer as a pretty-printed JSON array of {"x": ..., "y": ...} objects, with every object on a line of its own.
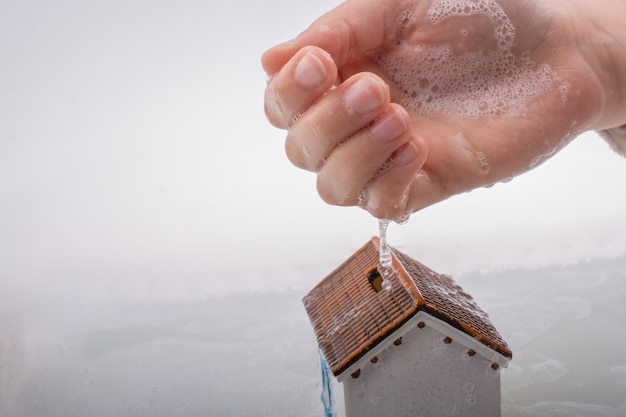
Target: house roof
[{"x": 350, "y": 317}]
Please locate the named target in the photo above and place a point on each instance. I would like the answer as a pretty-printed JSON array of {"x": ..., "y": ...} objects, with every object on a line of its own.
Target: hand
[{"x": 397, "y": 105}]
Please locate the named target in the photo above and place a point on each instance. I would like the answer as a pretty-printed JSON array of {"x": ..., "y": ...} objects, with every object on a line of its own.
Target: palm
[{"x": 489, "y": 106}]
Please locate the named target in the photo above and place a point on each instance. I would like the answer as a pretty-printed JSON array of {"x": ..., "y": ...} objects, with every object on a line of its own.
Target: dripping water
[{"x": 384, "y": 255}]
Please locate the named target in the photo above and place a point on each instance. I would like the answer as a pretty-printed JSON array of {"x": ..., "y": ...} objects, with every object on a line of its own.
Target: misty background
[
  {"x": 136, "y": 164},
  {"x": 133, "y": 145}
]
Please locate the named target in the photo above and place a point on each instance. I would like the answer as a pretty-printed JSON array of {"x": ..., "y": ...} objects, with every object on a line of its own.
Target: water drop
[
  {"x": 482, "y": 160},
  {"x": 403, "y": 219}
]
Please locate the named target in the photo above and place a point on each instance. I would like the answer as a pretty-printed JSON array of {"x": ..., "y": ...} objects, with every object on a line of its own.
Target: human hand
[{"x": 397, "y": 105}]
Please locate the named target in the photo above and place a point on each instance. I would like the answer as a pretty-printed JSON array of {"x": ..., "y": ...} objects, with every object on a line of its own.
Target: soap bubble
[{"x": 472, "y": 84}]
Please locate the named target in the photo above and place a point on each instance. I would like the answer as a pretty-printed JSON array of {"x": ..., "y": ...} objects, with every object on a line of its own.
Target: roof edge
[
  {"x": 469, "y": 331},
  {"x": 377, "y": 346},
  {"x": 440, "y": 325}
]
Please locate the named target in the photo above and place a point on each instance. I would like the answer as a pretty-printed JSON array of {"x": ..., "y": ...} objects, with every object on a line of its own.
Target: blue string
[{"x": 327, "y": 393}]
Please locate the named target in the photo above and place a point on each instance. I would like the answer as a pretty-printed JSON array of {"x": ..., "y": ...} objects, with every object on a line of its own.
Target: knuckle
[
  {"x": 295, "y": 152},
  {"x": 270, "y": 115},
  {"x": 334, "y": 191},
  {"x": 326, "y": 191},
  {"x": 272, "y": 104},
  {"x": 276, "y": 107}
]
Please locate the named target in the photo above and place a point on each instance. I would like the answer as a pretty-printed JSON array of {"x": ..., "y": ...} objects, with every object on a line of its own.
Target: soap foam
[
  {"x": 504, "y": 30},
  {"x": 435, "y": 79}
]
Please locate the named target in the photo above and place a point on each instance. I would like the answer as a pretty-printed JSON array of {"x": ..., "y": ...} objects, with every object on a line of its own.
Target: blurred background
[{"x": 137, "y": 168}]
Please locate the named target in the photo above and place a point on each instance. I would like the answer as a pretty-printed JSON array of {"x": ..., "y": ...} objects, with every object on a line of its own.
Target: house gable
[{"x": 427, "y": 374}]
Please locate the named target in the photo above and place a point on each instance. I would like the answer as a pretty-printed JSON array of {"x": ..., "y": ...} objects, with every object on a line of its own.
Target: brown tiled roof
[{"x": 350, "y": 317}]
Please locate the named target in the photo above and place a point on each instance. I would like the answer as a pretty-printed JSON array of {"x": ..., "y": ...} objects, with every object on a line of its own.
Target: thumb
[{"x": 350, "y": 30}]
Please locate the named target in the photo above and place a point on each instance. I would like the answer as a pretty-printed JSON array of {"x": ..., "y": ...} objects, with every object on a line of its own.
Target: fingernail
[
  {"x": 310, "y": 71},
  {"x": 389, "y": 127},
  {"x": 406, "y": 154},
  {"x": 364, "y": 96}
]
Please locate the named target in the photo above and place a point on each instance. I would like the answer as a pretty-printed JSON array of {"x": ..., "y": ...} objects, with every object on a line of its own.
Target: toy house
[{"x": 417, "y": 346}]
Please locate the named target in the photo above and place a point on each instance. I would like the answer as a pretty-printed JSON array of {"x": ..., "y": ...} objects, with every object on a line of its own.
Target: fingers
[
  {"x": 387, "y": 196},
  {"x": 335, "y": 118},
  {"x": 360, "y": 144},
  {"x": 381, "y": 159},
  {"x": 351, "y": 135},
  {"x": 353, "y": 164},
  {"x": 303, "y": 80},
  {"x": 351, "y": 29}
]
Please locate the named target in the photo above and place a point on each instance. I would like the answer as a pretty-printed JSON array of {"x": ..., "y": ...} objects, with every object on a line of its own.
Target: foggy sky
[{"x": 133, "y": 145}]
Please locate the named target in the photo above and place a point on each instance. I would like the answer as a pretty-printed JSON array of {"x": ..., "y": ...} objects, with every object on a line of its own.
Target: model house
[{"x": 417, "y": 346}]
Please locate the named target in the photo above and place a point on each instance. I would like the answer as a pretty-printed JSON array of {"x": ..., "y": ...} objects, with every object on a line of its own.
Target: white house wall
[{"x": 424, "y": 376}]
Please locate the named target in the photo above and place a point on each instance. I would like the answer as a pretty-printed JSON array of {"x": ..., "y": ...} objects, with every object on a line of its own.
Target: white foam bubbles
[
  {"x": 504, "y": 30},
  {"x": 482, "y": 160},
  {"x": 436, "y": 79},
  {"x": 564, "y": 89}
]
